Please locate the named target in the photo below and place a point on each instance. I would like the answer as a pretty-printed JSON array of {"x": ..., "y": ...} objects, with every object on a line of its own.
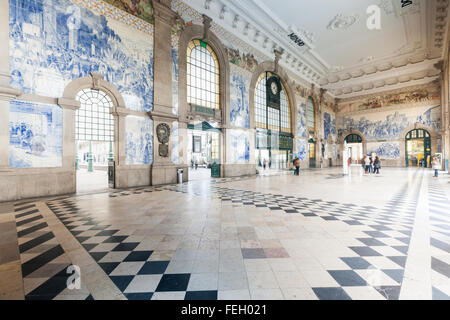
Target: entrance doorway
[
  {"x": 203, "y": 152},
  {"x": 312, "y": 153},
  {"x": 94, "y": 140},
  {"x": 355, "y": 148},
  {"x": 418, "y": 148},
  {"x": 273, "y": 150}
]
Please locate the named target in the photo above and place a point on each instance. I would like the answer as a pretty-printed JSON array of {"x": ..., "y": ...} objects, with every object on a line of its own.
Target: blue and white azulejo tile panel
[
  {"x": 53, "y": 42},
  {"x": 239, "y": 97},
  {"x": 390, "y": 125},
  {"x": 175, "y": 143},
  {"x": 385, "y": 150},
  {"x": 301, "y": 121},
  {"x": 239, "y": 146},
  {"x": 301, "y": 149},
  {"x": 175, "y": 60},
  {"x": 329, "y": 126},
  {"x": 139, "y": 141},
  {"x": 35, "y": 135}
]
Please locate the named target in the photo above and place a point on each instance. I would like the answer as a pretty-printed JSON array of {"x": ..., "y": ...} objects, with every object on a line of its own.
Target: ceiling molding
[{"x": 425, "y": 28}]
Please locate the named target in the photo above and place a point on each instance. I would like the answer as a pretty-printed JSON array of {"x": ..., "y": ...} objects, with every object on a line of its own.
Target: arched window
[
  {"x": 353, "y": 138},
  {"x": 202, "y": 75},
  {"x": 94, "y": 121},
  {"x": 267, "y": 117},
  {"x": 311, "y": 115}
]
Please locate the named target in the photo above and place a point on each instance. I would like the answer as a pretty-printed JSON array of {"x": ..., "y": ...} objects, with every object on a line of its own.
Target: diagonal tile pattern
[{"x": 231, "y": 241}]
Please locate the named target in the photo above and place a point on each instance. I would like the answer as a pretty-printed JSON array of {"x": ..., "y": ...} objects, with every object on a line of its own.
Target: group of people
[{"x": 371, "y": 165}]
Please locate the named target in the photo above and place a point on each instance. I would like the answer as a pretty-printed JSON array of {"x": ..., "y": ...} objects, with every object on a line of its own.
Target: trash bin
[{"x": 180, "y": 175}]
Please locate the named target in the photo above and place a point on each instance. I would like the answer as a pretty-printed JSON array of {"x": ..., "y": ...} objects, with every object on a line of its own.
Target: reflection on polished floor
[{"x": 266, "y": 237}]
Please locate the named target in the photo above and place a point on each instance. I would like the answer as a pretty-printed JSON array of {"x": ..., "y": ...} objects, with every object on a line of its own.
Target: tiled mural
[
  {"x": 239, "y": 98},
  {"x": 388, "y": 125},
  {"x": 55, "y": 41},
  {"x": 175, "y": 143},
  {"x": 329, "y": 125},
  {"x": 175, "y": 60},
  {"x": 139, "y": 141},
  {"x": 301, "y": 120},
  {"x": 239, "y": 146},
  {"x": 385, "y": 150},
  {"x": 301, "y": 149},
  {"x": 403, "y": 96},
  {"x": 35, "y": 135}
]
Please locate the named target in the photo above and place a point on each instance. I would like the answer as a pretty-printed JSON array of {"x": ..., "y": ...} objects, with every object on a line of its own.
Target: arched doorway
[
  {"x": 94, "y": 137},
  {"x": 418, "y": 148},
  {"x": 355, "y": 147},
  {"x": 203, "y": 151}
]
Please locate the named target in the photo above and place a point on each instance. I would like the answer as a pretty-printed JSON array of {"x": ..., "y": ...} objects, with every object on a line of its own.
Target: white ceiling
[
  {"x": 341, "y": 54},
  {"x": 347, "y": 46}
]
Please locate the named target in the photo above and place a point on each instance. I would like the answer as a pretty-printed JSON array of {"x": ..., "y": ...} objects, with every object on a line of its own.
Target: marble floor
[{"x": 321, "y": 235}]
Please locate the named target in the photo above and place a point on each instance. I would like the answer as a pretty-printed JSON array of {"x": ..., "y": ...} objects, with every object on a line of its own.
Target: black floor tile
[
  {"x": 201, "y": 295},
  {"x": 173, "y": 282},
  {"x": 126, "y": 246},
  {"x": 365, "y": 251},
  {"x": 35, "y": 242},
  {"x": 347, "y": 278},
  {"x": 138, "y": 256},
  {"x": 154, "y": 267},
  {"x": 41, "y": 260},
  {"x": 122, "y": 282},
  {"x": 331, "y": 294},
  {"x": 139, "y": 296},
  {"x": 356, "y": 263}
]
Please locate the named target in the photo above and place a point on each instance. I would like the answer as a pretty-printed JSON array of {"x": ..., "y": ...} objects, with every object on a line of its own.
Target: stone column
[
  {"x": 7, "y": 93},
  {"x": 164, "y": 171},
  {"x": 69, "y": 147}
]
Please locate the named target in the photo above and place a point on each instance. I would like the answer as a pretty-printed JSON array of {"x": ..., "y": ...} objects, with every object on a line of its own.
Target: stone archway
[
  {"x": 68, "y": 101},
  {"x": 344, "y": 136},
  {"x": 197, "y": 32},
  {"x": 434, "y": 136}
]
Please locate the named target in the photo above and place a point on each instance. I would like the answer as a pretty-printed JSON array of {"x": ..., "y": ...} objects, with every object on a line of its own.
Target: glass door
[{"x": 312, "y": 153}]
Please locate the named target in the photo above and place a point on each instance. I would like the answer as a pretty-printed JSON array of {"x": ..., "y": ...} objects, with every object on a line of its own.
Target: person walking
[
  {"x": 377, "y": 165},
  {"x": 264, "y": 164},
  {"x": 367, "y": 162},
  {"x": 371, "y": 165},
  {"x": 297, "y": 166},
  {"x": 436, "y": 167}
]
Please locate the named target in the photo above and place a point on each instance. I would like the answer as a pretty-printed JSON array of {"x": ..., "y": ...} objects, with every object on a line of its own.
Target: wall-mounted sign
[
  {"x": 296, "y": 39},
  {"x": 406, "y": 3},
  {"x": 197, "y": 144}
]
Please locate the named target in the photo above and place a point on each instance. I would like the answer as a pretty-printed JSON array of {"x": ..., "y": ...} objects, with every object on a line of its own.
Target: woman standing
[
  {"x": 436, "y": 167},
  {"x": 367, "y": 162},
  {"x": 377, "y": 165}
]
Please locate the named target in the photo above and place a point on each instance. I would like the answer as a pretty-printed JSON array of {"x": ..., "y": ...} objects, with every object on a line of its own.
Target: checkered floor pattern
[
  {"x": 439, "y": 208},
  {"x": 44, "y": 262},
  {"x": 141, "y": 274}
]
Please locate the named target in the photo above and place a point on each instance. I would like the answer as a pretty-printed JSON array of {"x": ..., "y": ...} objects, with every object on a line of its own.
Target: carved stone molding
[
  {"x": 206, "y": 27},
  {"x": 162, "y": 11}
]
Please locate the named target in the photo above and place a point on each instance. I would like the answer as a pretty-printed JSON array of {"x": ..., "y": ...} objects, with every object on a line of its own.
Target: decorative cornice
[
  {"x": 9, "y": 93},
  {"x": 69, "y": 104},
  {"x": 206, "y": 27},
  {"x": 163, "y": 12}
]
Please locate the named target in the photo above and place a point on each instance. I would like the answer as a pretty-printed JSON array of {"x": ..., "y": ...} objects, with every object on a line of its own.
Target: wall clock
[{"x": 273, "y": 92}]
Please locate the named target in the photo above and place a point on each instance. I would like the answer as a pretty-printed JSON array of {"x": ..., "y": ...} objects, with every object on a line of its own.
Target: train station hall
[{"x": 224, "y": 150}]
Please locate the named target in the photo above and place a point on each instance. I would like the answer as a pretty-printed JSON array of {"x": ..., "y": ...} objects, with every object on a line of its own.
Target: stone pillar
[
  {"x": 7, "y": 93},
  {"x": 69, "y": 147},
  {"x": 164, "y": 171}
]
